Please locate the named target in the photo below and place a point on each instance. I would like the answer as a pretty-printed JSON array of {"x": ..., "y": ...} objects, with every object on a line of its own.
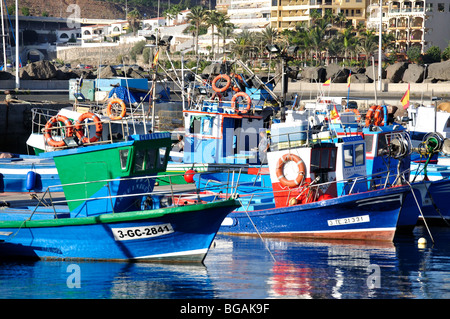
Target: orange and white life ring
[
  {"x": 109, "y": 109},
  {"x": 244, "y": 95},
  {"x": 48, "y": 130},
  {"x": 220, "y": 77},
  {"x": 79, "y": 128},
  {"x": 370, "y": 114},
  {"x": 280, "y": 170},
  {"x": 379, "y": 116}
]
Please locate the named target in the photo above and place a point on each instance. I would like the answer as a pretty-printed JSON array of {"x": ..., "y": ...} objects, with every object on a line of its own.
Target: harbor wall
[
  {"x": 15, "y": 124},
  {"x": 442, "y": 89},
  {"x": 417, "y": 89}
]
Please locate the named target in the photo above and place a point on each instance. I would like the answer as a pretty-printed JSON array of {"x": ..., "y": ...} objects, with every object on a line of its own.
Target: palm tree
[
  {"x": 213, "y": 20},
  {"x": 133, "y": 18},
  {"x": 348, "y": 40},
  {"x": 197, "y": 17},
  {"x": 226, "y": 32},
  {"x": 368, "y": 43}
]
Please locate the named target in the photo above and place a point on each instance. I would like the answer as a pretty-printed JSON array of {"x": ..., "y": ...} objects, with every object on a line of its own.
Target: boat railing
[
  {"x": 212, "y": 191},
  {"x": 179, "y": 195},
  {"x": 117, "y": 129}
]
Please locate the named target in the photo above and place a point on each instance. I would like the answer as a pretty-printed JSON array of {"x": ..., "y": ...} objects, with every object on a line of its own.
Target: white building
[
  {"x": 253, "y": 15},
  {"x": 422, "y": 23}
]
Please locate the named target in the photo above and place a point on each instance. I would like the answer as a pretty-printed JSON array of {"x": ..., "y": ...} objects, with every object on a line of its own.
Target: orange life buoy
[
  {"x": 370, "y": 114},
  {"x": 378, "y": 117},
  {"x": 237, "y": 78},
  {"x": 220, "y": 77},
  {"x": 244, "y": 95},
  {"x": 301, "y": 170},
  {"x": 109, "y": 109},
  {"x": 79, "y": 129},
  {"x": 48, "y": 133}
]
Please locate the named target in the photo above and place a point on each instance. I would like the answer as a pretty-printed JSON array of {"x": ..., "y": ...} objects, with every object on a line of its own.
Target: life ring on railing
[
  {"x": 370, "y": 114},
  {"x": 379, "y": 116},
  {"x": 280, "y": 167},
  {"x": 79, "y": 128},
  {"x": 357, "y": 114},
  {"x": 244, "y": 95},
  {"x": 220, "y": 77},
  {"x": 216, "y": 96},
  {"x": 109, "y": 109},
  {"x": 48, "y": 132},
  {"x": 238, "y": 86}
]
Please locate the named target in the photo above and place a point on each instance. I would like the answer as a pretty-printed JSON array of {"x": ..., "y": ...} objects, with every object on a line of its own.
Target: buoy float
[
  {"x": 422, "y": 242},
  {"x": 31, "y": 180},
  {"x": 189, "y": 176}
]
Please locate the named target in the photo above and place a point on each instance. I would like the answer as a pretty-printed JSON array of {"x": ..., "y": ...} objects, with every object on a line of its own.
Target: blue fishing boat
[
  {"x": 108, "y": 210},
  {"x": 321, "y": 190}
]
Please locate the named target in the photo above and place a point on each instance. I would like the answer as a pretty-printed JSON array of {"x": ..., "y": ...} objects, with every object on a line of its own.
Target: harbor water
[{"x": 249, "y": 268}]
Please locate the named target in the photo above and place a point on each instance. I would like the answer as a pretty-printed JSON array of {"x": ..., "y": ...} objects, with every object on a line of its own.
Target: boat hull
[
  {"x": 372, "y": 215},
  {"x": 181, "y": 234}
]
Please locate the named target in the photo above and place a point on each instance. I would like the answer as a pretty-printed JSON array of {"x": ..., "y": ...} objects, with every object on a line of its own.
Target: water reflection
[{"x": 242, "y": 267}]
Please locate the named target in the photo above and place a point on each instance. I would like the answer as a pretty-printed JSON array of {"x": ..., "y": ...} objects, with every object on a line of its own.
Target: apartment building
[
  {"x": 422, "y": 23},
  {"x": 252, "y": 15},
  {"x": 288, "y": 13}
]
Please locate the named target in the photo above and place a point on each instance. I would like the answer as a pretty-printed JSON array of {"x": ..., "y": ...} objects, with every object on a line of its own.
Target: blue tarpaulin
[{"x": 123, "y": 93}]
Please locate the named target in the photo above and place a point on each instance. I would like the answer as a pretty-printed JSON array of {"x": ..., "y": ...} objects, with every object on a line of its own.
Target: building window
[
  {"x": 441, "y": 7},
  {"x": 429, "y": 7}
]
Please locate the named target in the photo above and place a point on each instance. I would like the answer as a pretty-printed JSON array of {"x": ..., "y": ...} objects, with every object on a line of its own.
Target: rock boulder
[
  {"x": 439, "y": 71},
  {"x": 413, "y": 74},
  {"x": 394, "y": 72},
  {"x": 41, "y": 70}
]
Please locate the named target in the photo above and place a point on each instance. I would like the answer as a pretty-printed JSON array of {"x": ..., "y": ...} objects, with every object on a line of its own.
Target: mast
[
  {"x": 17, "y": 45},
  {"x": 5, "y": 68}
]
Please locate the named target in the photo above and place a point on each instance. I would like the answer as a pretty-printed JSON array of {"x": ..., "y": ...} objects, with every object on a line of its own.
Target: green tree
[
  {"x": 432, "y": 55},
  {"x": 367, "y": 44},
  {"x": 213, "y": 19},
  {"x": 133, "y": 18},
  {"x": 446, "y": 53},
  {"x": 197, "y": 17},
  {"x": 414, "y": 54}
]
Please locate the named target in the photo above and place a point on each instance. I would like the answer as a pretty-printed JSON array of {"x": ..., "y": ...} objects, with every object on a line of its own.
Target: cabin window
[
  {"x": 195, "y": 123},
  {"x": 323, "y": 158},
  {"x": 139, "y": 160},
  {"x": 359, "y": 154},
  {"x": 123, "y": 154},
  {"x": 151, "y": 154},
  {"x": 348, "y": 155},
  {"x": 369, "y": 142},
  {"x": 382, "y": 145},
  {"x": 162, "y": 157},
  {"x": 207, "y": 124}
]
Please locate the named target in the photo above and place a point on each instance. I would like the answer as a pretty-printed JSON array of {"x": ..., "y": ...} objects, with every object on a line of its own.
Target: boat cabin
[
  {"x": 111, "y": 177},
  {"x": 298, "y": 165},
  {"x": 215, "y": 134}
]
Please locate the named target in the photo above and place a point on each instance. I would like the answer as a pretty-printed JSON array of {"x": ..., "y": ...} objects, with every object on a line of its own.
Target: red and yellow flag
[
  {"x": 405, "y": 99},
  {"x": 349, "y": 78},
  {"x": 155, "y": 59},
  {"x": 334, "y": 115},
  {"x": 327, "y": 82}
]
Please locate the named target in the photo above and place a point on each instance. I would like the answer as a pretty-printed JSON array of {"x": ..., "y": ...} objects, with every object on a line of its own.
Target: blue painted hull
[
  {"x": 372, "y": 215},
  {"x": 184, "y": 235}
]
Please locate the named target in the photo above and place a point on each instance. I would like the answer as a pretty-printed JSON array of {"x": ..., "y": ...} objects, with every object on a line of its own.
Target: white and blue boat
[{"x": 108, "y": 211}]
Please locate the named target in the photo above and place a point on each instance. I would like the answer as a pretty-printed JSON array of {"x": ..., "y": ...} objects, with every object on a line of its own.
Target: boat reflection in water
[{"x": 242, "y": 268}]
